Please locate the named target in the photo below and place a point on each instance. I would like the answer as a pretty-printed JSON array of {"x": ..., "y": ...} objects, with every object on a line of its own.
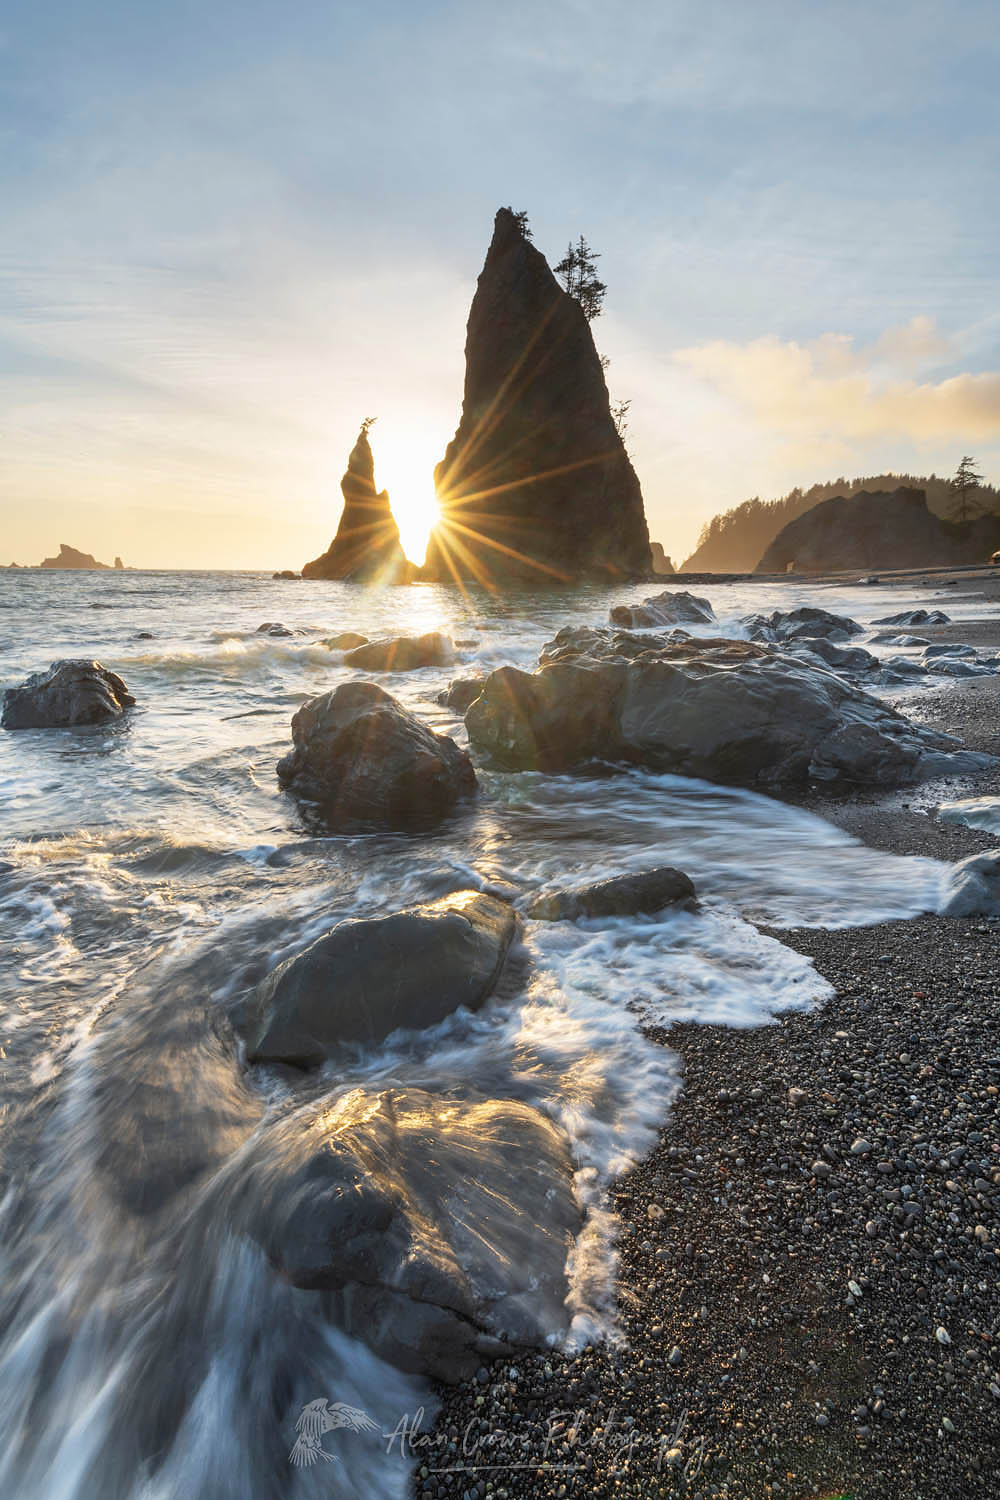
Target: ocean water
[{"x": 151, "y": 871}]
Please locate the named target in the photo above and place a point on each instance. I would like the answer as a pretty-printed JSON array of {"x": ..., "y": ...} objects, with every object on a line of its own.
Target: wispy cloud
[{"x": 832, "y": 388}]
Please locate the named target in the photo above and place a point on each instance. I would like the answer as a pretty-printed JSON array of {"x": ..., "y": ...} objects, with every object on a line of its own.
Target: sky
[{"x": 233, "y": 231}]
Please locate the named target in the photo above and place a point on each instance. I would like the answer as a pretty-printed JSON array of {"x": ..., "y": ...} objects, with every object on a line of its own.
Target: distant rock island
[
  {"x": 878, "y": 530},
  {"x": 69, "y": 557},
  {"x": 366, "y": 548},
  {"x": 536, "y": 485}
]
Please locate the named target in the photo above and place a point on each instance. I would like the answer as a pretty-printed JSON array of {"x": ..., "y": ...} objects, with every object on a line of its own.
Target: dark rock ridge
[
  {"x": 661, "y": 562},
  {"x": 879, "y": 530},
  {"x": 403, "y": 654},
  {"x": 366, "y": 548},
  {"x": 69, "y": 557},
  {"x": 438, "y": 1228},
  {"x": 668, "y": 608},
  {"x": 364, "y": 979},
  {"x": 70, "y": 692},
  {"x": 536, "y": 485},
  {"x": 364, "y": 761},
  {"x": 728, "y": 711},
  {"x": 622, "y": 896}
]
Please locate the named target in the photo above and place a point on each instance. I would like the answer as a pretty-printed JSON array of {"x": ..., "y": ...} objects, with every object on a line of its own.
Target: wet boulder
[
  {"x": 973, "y": 887},
  {"x": 805, "y": 623},
  {"x": 347, "y": 640},
  {"x": 404, "y": 654},
  {"x": 728, "y": 711},
  {"x": 623, "y": 896},
  {"x": 893, "y": 638},
  {"x": 672, "y": 607},
  {"x": 459, "y": 694},
  {"x": 364, "y": 761},
  {"x": 364, "y": 979},
  {"x": 946, "y": 648},
  {"x": 915, "y": 617},
  {"x": 274, "y": 628},
  {"x": 851, "y": 659},
  {"x": 437, "y": 1228},
  {"x": 71, "y": 692}
]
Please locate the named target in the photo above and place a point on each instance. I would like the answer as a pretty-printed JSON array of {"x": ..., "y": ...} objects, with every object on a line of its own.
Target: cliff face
[
  {"x": 69, "y": 557},
  {"x": 366, "y": 548},
  {"x": 536, "y": 485},
  {"x": 880, "y": 530}
]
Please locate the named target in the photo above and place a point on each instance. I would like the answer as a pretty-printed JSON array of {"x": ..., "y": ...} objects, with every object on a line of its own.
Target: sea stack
[
  {"x": 70, "y": 558},
  {"x": 536, "y": 485},
  {"x": 366, "y": 548}
]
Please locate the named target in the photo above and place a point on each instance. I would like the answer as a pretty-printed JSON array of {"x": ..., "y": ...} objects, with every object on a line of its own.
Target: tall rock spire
[
  {"x": 366, "y": 548},
  {"x": 536, "y": 485}
]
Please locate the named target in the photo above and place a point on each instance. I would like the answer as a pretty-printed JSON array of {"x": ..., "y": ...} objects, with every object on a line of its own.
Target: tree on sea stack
[
  {"x": 965, "y": 484},
  {"x": 578, "y": 273}
]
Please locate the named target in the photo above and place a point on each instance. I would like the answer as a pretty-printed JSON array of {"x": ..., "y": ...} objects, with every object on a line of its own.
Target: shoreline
[{"x": 750, "y": 1366}]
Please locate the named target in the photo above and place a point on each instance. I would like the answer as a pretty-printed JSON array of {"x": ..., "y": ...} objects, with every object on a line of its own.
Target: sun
[{"x": 404, "y": 465}]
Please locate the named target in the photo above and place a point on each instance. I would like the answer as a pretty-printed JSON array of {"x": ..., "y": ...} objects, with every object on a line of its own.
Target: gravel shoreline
[{"x": 809, "y": 1259}]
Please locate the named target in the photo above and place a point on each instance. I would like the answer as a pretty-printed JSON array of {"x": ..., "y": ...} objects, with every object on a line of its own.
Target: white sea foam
[{"x": 973, "y": 812}]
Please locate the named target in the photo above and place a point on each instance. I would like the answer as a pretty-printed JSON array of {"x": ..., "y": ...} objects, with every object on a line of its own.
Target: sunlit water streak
[{"x": 154, "y": 870}]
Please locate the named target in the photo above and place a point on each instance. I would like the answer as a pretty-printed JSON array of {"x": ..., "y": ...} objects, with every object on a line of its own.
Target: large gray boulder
[
  {"x": 364, "y": 979},
  {"x": 403, "y": 654},
  {"x": 850, "y": 659},
  {"x": 915, "y": 617},
  {"x": 622, "y": 896},
  {"x": 805, "y": 623},
  {"x": 364, "y": 761},
  {"x": 672, "y": 607},
  {"x": 437, "y": 1228},
  {"x": 728, "y": 711},
  {"x": 973, "y": 887},
  {"x": 72, "y": 691}
]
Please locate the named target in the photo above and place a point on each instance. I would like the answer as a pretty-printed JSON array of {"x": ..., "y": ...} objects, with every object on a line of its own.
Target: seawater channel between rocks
[{"x": 153, "y": 870}]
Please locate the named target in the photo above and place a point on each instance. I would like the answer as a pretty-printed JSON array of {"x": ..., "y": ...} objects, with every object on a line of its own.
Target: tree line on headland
[{"x": 736, "y": 540}]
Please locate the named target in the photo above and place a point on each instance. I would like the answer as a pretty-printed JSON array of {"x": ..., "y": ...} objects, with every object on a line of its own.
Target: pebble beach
[{"x": 809, "y": 1259}]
